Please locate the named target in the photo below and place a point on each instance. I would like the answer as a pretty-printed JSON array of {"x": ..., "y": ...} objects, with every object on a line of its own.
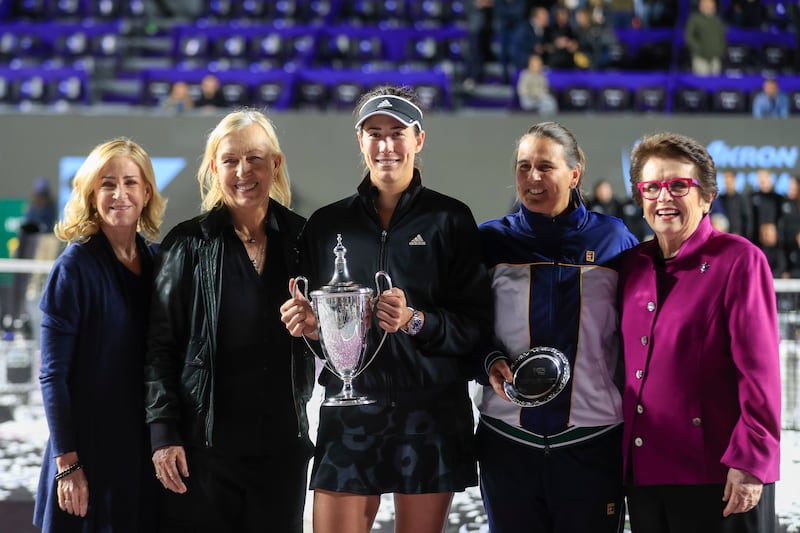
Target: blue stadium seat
[
  {"x": 8, "y": 44},
  {"x": 345, "y": 94},
  {"x": 576, "y": 98},
  {"x": 233, "y": 46},
  {"x": 777, "y": 59},
  {"x": 221, "y": 9},
  {"x": 310, "y": 95},
  {"x": 236, "y": 93},
  {"x": 70, "y": 9},
  {"x": 794, "y": 102},
  {"x": 613, "y": 99},
  {"x": 105, "y": 45},
  {"x": 739, "y": 59},
  {"x": 106, "y": 9},
  {"x": 5, "y": 89},
  {"x": 192, "y": 48},
  {"x": 30, "y": 9},
  {"x": 650, "y": 99},
  {"x": 72, "y": 44},
  {"x": 268, "y": 93},
  {"x": 431, "y": 96},
  {"x": 287, "y": 10},
  {"x": 32, "y": 88},
  {"x": 251, "y": 9},
  {"x": 691, "y": 100},
  {"x": 319, "y": 11},
  {"x": 730, "y": 100},
  {"x": 71, "y": 89}
]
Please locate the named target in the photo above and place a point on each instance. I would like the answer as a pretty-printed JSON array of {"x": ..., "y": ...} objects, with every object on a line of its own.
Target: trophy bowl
[
  {"x": 343, "y": 310},
  {"x": 540, "y": 374}
]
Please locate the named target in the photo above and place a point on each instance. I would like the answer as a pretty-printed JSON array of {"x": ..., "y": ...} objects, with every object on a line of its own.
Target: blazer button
[
  {"x": 639, "y": 374},
  {"x": 651, "y": 306},
  {"x": 640, "y": 408},
  {"x": 638, "y": 442},
  {"x": 644, "y": 340},
  {"x": 696, "y": 421}
]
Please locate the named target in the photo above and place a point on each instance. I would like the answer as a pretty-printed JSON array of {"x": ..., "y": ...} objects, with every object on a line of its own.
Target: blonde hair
[
  {"x": 81, "y": 219},
  {"x": 210, "y": 191}
]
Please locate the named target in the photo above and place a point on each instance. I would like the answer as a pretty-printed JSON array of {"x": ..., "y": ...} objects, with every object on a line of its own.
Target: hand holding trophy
[{"x": 343, "y": 310}]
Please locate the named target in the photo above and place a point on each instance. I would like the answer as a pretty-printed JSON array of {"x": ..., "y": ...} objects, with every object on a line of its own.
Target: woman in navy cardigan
[
  {"x": 701, "y": 403},
  {"x": 97, "y": 475}
]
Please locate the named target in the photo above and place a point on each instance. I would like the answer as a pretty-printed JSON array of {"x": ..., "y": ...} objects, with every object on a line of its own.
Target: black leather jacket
[
  {"x": 179, "y": 365},
  {"x": 431, "y": 249}
]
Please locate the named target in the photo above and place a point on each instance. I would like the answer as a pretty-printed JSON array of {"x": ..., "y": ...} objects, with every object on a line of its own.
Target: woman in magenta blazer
[{"x": 701, "y": 401}]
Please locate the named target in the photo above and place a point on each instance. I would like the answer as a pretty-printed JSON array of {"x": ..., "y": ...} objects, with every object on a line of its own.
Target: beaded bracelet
[{"x": 67, "y": 471}]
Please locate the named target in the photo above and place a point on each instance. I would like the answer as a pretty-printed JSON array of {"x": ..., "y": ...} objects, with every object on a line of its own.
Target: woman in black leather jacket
[
  {"x": 225, "y": 391},
  {"x": 416, "y": 441}
]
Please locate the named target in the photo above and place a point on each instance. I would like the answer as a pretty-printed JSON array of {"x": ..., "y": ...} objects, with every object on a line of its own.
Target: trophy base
[{"x": 344, "y": 401}]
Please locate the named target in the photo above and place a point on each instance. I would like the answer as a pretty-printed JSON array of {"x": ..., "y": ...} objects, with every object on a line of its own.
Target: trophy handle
[
  {"x": 304, "y": 280},
  {"x": 297, "y": 281},
  {"x": 378, "y": 275}
]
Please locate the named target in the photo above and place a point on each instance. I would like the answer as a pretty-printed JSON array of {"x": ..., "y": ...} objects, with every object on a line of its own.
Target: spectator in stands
[
  {"x": 532, "y": 36},
  {"x": 702, "y": 386},
  {"x": 655, "y": 13},
  {"x": 773, "y": 249},
  {"x": 563, "y": 42},
  {"x": 603, "y": 199},
  {"x": 706, "y": 40},
  {"x": 179, "y": 98},
  {"x": 38, "y": 220},
  {"x": 211, "y": 96},
  {"x": 622, "y": 13},
  {"x": 507, "y": 17},
  {"x": 765, "y": 203},
  {"x": 416, "y": 441},
  {"x": 770, "y": 102},
  {"x": 225, "y": 385},
  {"x": 533, "y": 89},
  {"x": 549, "y": 447},
  {"x": 793, "y": 256},
  {"x": 481, "y": 32},
  {"x": 595, "y": 41},
  {"x": 790, "y": 223},
  {"x": 719, "y": 221},
  {"x": 736, "y": 206},
  {"x": 746, "y": 13},
  {"x": 633, "y": 216},
  {"x": 97, "y": 474},
  {"x": 600, "y": 13}
]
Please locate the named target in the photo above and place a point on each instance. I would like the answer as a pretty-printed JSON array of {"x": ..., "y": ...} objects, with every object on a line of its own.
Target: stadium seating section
[{"x": 321, "y": 54}]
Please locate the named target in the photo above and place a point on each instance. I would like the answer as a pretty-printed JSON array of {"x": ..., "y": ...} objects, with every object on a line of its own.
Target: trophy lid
[{"x": 341, "y": 282}]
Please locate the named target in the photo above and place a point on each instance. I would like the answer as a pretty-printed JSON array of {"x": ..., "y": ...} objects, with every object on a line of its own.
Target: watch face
[
  {"x": 540, "y": 374},
  {"x": 415, "y": 325}
]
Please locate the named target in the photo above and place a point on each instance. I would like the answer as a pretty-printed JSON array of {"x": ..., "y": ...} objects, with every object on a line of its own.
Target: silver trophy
[
  {"x": 540, "y": 374},
  {"x": 344, "y": 314}
]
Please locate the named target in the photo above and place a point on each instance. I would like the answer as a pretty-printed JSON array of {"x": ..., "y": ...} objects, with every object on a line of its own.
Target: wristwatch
[{"x": 414, "y": 325}]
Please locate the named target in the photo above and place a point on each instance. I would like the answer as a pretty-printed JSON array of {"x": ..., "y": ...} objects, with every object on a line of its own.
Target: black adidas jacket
[{"x": 432, "y": 251}]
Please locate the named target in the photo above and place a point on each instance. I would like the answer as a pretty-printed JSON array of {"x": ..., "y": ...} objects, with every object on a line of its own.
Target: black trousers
[
  {"x": 696, "y": 509},
  {"x": 574, "y": 489},
  {"x": 239, "y": 494}
]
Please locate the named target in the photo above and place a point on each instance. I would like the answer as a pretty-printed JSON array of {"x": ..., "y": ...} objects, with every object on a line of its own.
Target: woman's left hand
[
  {"x": 73, "y": 493},
  {"x": 392, "y": 310},
  {"x": 742, "y": 492}
]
